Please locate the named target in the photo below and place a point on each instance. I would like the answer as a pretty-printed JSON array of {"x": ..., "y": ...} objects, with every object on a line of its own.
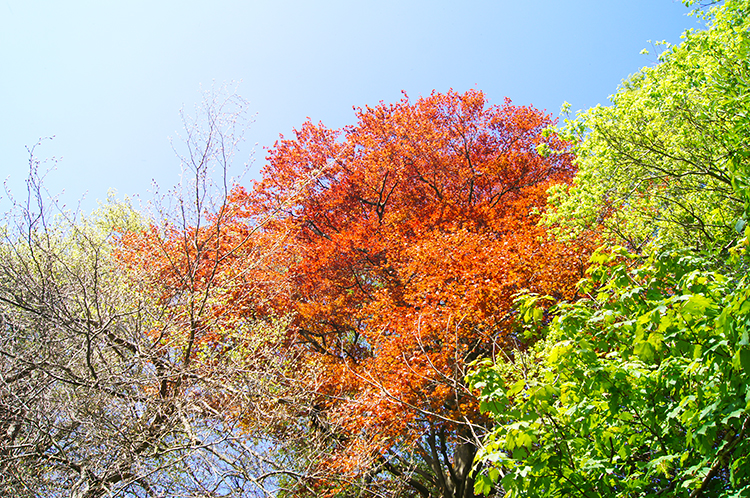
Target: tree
[
  {"x": 412, "y": 232},
  {"x": 657, "y": 163},
  {"x": 641, "y": 388},
  {"x": 110, "y": 385},
  {"x": 207, "y": 269}
]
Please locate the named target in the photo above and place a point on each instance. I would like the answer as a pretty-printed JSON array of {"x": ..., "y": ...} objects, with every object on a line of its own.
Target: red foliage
[
  {"x": 411, "y": 231},
  {"x": 397, "y": 245}
]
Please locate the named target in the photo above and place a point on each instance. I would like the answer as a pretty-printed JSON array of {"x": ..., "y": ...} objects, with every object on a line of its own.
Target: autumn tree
[
  {"x": 208, "y": 271},
  {"x": 409, "y": 234}
]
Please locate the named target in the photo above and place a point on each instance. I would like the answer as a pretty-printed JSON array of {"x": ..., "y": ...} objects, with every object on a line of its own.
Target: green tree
[
  {"x": 659, "y": 163},
  {"x": 641, "y": 388}
]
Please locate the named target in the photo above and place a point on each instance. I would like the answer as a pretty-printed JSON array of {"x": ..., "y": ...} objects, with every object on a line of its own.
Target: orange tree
[
  {"x": 408, "y": 236},
  {"x": 199, "y": 273}
]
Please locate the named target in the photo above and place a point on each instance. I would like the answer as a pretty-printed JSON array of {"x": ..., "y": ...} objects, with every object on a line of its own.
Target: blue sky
[{"x": 107, "y": 78}]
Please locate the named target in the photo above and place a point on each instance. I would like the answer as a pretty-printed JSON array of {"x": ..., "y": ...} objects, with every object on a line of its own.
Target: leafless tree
[{"x": 107, "y": 387}]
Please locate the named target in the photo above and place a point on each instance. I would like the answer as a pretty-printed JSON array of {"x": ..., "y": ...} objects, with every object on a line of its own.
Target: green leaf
[
  {"x": 743, "y": 359},
  {"x": 744, "y": 340},
  {"x": 735, "y": 414},
  {"x": 482, "y": 485},
  {"x": 645, "y": 351},
  {"x": 494, "y": 474},
  {"x": 524, "y": 440},
  {"x": 696, "y": 304},
  {"x": 516, "y": 388}
]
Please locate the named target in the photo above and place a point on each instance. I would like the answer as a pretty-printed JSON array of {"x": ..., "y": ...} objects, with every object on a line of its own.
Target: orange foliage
[
  {"x": 396, "y": 245},
  {"x": 411, "y": 231},
  {"x": 206, "y": 286}
]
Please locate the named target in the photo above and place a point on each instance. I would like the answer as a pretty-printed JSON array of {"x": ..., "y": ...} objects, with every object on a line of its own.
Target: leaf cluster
[
  {"x": 639, "y": 390},
  {"x": 411, "y": 233},
  {"x": 660, "y": 162},
  {"x": 641, "y": 387}
]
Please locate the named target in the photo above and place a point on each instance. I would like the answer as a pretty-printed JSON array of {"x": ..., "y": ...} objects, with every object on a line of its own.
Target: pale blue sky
[{"x": 108, "y": 78}]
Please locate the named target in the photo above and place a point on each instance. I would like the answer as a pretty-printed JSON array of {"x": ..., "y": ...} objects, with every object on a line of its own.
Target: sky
[{"x": 108, "y": 78}]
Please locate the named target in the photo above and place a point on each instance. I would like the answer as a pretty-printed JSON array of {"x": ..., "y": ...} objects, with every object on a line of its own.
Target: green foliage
[
  {"x": 667, "y": 160},
  {"x": 641, "y": 389},
  {"x": 117, "y": 216}
]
